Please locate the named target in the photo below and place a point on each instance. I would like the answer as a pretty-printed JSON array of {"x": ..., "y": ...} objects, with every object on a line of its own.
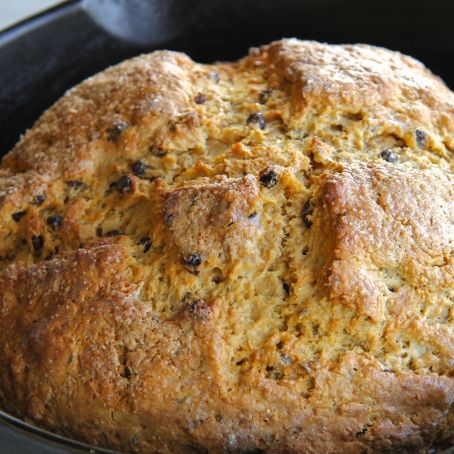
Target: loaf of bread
[{"x": 248, "y": 257}]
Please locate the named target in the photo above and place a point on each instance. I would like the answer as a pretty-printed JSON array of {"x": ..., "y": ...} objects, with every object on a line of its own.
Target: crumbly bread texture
[{"x": 235, "y": 258}]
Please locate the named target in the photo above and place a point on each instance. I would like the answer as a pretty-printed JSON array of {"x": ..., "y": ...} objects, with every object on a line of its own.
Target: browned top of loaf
[{"x": 242, "y": 257}]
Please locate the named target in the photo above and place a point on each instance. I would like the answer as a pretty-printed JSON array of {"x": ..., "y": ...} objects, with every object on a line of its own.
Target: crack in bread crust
[{"x": 235, "y": 257}]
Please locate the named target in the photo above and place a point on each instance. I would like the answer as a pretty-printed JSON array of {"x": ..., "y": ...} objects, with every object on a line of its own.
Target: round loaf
[{"x": 241, "y": 257}]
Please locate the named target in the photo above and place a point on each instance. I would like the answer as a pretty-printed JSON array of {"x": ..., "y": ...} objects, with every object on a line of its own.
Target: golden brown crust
[
  {"x": 212, "y": 218},
  {"x": 245, "y": 257},
  {"x": 389, "y": 224}
]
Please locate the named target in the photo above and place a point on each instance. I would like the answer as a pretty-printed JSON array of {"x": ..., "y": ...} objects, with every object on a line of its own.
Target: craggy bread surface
[{"x": 235, "y": 258}]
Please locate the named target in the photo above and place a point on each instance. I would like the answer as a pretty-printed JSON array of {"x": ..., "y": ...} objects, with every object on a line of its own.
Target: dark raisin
[
  {"x": 339, "y": 128},
  {"x": 389, "y": 155},
  {"x": 217, "y": 276},
  {"x": 252, "y": 215},
  {"x": 127, "y": 372},
  {"x": 192, "y": 261},
  {"x": 421, "y": 138},
  {"x": 362, "y": 431},
  {"x": 18, "y": 215},
  {"x": 305, "y": 250},
  {"x": 257, "y": 117},
  {"x": 38, "y": 243},
  {"x": 114, "y": 232},
  {"x": 139, "y": 169},
  {"x": 54, "y": 221},
  {"x": 158, "y": 152},
  {"x": 74, "y": 183},
  {"x": 241, "y": 361},
  {"x": 315, "y": 329},
  {"x": 99, "y": 231},
  {"x": 114, "y": 133},
  {"x": 214, "y": 76},
  {"x": 200, "y": 98},
  {"x": 265, "y": 95},
  {"x": 146, "y": 243},
  {"x": 286, "y": 288},
  {"x": 197, "y": 310},
  {"x": 273, "y": 373},
  {"x": 268, "y": 178},
  {"x": 306, "y": 212},
  {"x": 124, "y": 184},
  {"x": 39, "y": 199},
  {"x": 354, "y": 116}
]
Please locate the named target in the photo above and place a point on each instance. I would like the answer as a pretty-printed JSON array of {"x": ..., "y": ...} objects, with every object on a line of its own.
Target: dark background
[{"x": 40, "y": 59}]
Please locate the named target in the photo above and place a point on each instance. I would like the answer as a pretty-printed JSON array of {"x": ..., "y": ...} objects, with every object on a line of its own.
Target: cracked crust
[
  {"x": 241, "y": 257},
  {"x": 212, "y": 218},
  {"x": 388, "y": 222}
]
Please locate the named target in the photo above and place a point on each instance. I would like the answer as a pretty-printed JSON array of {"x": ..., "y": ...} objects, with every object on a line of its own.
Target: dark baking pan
[{"x": 42, "y": 57}]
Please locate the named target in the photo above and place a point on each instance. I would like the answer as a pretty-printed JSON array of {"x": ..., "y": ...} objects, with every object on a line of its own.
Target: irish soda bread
[{"x": 249, "y": 257}]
